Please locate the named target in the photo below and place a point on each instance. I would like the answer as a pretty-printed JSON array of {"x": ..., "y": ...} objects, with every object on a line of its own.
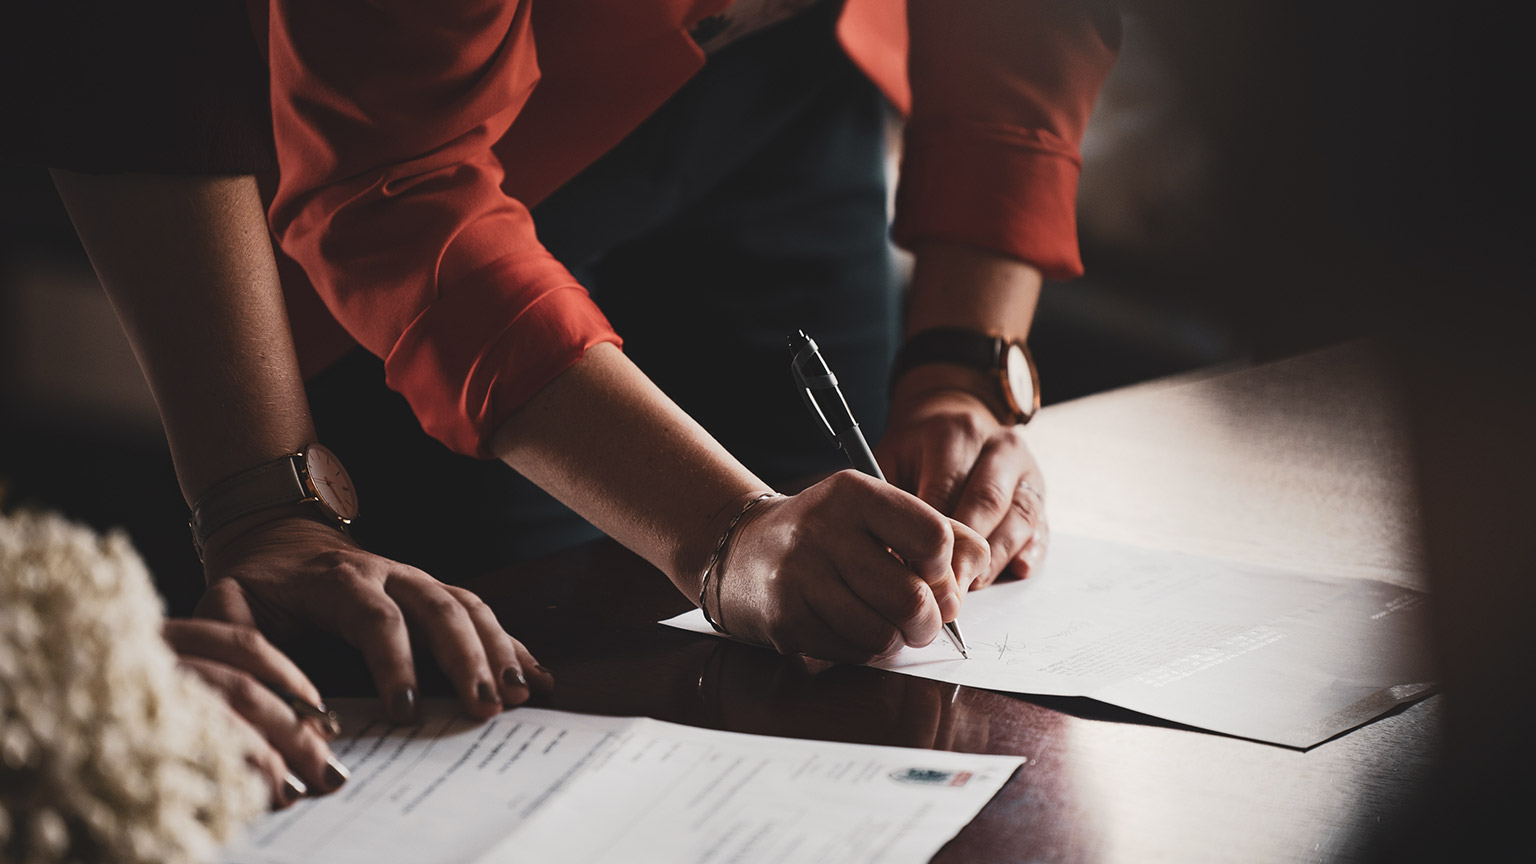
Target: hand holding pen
[
  {"x": 813, "y": 573},
  {"x": 818, "y": 387}
]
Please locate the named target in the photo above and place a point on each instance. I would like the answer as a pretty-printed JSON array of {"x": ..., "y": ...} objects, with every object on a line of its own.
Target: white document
[
  {"x": 548, "y": 786},
  {"x": 1250, "y": 651}
]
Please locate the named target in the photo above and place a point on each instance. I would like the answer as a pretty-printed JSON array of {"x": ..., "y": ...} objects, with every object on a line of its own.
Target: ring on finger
[
  {"x": 1026, "y": 486},
  {"x": 1029, "y": 500}
]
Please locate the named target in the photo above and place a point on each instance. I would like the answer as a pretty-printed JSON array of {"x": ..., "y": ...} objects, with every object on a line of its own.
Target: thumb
[{"x": 972, "y": 556}]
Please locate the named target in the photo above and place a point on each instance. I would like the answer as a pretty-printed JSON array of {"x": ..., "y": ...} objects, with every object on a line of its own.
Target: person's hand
[
  {"x": 243, "y": 667},
  {"x": 851, "y": 569},
  {"x": 293, "y": 574},
  {"x": 945, "y": 445}
]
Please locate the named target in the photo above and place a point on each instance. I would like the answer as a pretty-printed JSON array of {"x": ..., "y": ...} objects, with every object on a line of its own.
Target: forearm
[
  {"x": 187, "y": 264},
  {"x": 964, "y": 286},
  {"x": 606, "y": 441}
]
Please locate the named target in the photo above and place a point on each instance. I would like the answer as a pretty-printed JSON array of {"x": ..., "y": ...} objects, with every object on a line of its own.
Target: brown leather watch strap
[
  {"x": 1013, "y": 385},
  {"x": 267, "y": 486},
  {"x": 949, "y": 345}
]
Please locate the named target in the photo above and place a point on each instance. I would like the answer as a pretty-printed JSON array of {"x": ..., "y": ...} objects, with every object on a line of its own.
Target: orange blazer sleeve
[
  {"x": 390, "y": 198},
  {"x": 1001, "y": 92}
]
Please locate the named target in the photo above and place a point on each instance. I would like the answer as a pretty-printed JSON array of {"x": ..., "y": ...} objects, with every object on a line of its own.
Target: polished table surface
[{"x": 1303, "y": 463}]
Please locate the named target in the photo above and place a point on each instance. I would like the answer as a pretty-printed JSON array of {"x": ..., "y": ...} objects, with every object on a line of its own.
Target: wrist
[
  {"x": 312, "y": 476},
  {"x": 923, "y": 385},
  {"x": 300, "y": 516},
  {"x": 703, "y": 546},
  {"x": 999, "y": 372},
  {"x": 713, "y": 571}
]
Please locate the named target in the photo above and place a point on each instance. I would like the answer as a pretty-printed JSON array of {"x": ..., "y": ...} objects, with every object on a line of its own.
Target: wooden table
[{"x": 1302, "y": 461}]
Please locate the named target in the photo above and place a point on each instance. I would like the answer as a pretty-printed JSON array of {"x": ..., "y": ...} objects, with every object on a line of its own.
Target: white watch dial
[
  {"x": 331, "y": 482},
  {"x": 1021, "y": 381}
]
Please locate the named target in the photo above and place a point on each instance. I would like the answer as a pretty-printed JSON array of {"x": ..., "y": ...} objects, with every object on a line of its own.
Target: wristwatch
[
  {"x": 311, "y": 476},
  {"x": 1006, "y": 363}
]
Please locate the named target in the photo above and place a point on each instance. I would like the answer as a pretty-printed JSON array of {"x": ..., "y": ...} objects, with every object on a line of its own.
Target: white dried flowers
[{"x": 108, "y": 750}]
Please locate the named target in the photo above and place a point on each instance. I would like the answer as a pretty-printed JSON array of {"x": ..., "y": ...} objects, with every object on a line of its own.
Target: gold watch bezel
[{"x": 1005, "y": 377}]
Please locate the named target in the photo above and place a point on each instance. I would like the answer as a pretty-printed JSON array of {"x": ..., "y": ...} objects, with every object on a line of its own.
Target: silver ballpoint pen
[{"x": 818, "y": 387}]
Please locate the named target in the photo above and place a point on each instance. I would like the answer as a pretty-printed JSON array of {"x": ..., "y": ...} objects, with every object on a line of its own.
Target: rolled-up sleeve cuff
[
  {"x": 1001, "y": 188},
  {"x": 480, "y": 351}
]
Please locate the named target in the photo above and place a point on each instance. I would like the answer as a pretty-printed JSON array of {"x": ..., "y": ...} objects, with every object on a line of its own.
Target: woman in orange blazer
[{"x": 421, "y": 145}]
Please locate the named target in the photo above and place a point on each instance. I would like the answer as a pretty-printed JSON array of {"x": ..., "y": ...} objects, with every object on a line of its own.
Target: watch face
[
  {"x": 1023, "y": 386},
  {"x": 331, "y": 482}
]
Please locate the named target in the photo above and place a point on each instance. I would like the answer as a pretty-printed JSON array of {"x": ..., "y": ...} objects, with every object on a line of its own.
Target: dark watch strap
[
  {"x": 949, "y": 345},
  {"x": 1007, "y": 365}
]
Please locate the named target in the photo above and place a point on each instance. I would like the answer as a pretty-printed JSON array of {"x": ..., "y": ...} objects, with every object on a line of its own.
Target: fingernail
[
  {"x": 513, "y": 677},
  {"x": 487, "y": 693},
  {"x": 335, "y": 773},
  {"x": 402, "y": 707},
  {"x": 293, "y": 788},
  {"x": 304, "y": 709}
]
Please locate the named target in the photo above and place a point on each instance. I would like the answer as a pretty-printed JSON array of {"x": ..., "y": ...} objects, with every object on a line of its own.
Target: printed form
[
  {"x": 549, "y": 786},
  {"x": 1260, "y": 653}
]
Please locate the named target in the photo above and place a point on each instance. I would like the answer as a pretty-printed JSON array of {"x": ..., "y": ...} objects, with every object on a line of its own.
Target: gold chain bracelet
[{"x": 714, "y": 558}]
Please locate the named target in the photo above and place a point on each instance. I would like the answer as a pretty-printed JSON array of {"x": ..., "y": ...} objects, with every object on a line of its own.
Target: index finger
[
  {"x": 243, "y": 648},
  {"x": 368, "y": 619},
  {"x": 921, "y": 537}
]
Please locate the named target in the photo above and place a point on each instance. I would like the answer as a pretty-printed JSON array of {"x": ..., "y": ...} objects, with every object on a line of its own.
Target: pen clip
[{"x": 810, "y": 400}]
